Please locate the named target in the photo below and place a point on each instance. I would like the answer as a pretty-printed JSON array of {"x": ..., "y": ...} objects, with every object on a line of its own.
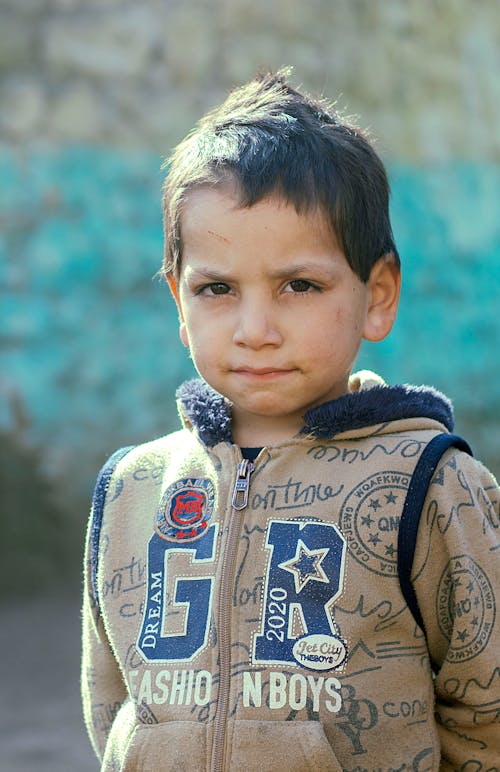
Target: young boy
[{"x": 244, "y": 606}]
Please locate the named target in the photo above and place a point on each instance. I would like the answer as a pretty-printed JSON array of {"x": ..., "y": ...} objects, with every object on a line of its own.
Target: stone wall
[
  {"x": 93, "y": 95},
  {"x": 423, "y": 74}
]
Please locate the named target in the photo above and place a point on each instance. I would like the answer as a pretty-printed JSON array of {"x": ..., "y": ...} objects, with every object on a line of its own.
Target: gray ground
[{"x": 41, "y": 728}]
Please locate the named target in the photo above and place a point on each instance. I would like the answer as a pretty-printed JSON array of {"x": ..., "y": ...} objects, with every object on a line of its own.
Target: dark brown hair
[{"x": 271, "y": 139}]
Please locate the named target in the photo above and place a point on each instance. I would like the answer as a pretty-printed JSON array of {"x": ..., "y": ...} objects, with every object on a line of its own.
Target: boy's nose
[{"x": 256, "y": 327}]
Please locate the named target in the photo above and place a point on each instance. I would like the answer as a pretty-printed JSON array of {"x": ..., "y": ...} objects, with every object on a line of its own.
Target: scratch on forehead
[{"x": 218, "y": 236}]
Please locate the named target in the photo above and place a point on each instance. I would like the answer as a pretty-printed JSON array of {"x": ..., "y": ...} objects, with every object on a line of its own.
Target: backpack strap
[
  {"x": 98, "y": 502},
  {"x": 412, "y": 509}
]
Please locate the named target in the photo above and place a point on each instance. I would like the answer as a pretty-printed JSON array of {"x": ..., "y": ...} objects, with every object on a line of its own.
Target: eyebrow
[
  {"x": 294, "y": 269},
  {"x": 206, "y": 273},
  {"x": 304, "y": 268}
]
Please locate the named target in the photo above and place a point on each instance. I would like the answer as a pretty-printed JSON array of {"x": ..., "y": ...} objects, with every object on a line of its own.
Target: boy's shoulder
[
  {"x": 147, "y": 452},
  {"x": 457, "y": 466}
]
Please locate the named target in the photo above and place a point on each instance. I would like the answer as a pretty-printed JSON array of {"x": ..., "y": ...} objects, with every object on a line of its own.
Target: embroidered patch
[
  {"x": 304, "y": 577},
  {"x": 178, "y": 603},
  {"x": 185, "y": 509}
]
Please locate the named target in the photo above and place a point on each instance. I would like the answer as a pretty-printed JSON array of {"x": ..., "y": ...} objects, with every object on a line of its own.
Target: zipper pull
[{"x": 242, "y": 484}]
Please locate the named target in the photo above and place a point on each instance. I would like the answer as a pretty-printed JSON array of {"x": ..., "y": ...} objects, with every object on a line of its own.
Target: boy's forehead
[
  {"x": 205, "y": 205},
  {"x": 220, "y": 236}
]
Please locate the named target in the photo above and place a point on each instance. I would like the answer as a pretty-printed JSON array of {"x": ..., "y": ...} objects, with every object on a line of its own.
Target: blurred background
[{"x": 93, "y": 96}]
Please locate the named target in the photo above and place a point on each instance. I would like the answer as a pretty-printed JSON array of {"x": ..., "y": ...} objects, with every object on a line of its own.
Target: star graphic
[
  {"x": 374, "y": 539},
  {"x": 390, "y": 550},
  {"x": 474, "y": 622},
  {"x": 367, "y": 521},
  {"x": 470, "y": 586},
  {"x": 463, "y": 635},
  {"x": 374, "y": 504},
  {"x": 306, "y": 566},
  {"x": 391, "y": 498}
]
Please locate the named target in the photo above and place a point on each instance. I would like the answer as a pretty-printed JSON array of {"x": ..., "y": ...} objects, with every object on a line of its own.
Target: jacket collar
[{"x": 209, "y": 413}]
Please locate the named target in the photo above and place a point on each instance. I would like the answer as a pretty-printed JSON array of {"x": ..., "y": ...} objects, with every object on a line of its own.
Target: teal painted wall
[
  {"x": 90, "y": 356},
  {"x": 447, "y": 227},
  {"x": 89, "y": 333}
]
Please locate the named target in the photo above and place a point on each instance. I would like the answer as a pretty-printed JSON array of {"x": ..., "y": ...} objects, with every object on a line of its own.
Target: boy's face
[{"x": 271, "y": 311}]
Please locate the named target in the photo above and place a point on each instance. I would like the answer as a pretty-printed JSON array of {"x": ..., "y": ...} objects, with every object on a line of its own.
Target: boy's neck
[{"x": 259, "y": 431}]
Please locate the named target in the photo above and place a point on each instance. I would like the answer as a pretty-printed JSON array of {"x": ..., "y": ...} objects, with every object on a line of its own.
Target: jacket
[{"x": 249, "y": 616}]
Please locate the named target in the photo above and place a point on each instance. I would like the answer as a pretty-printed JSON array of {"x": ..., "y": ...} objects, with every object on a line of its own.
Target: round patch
[
  {"x": 320, "y": 651},
  {"x": 369, "y": 520},
  {"x": 185, "y": 509},
  {"x": 465, "y": 608}
]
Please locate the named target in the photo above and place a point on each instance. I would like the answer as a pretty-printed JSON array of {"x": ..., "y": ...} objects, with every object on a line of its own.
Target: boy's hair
[{"x": 270, "y": 139}]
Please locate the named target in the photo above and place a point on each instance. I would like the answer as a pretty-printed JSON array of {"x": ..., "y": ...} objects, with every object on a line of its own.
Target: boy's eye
[
  {"x": 300, "y": 285},
  {"x": 216, "y": 288}
]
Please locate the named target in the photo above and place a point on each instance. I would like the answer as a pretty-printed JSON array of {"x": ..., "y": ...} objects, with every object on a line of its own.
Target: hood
[{"x": 370, "y": 401}]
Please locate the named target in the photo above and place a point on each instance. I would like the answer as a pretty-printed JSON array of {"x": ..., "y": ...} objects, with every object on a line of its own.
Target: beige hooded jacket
[{"x": 252, "y": 619}]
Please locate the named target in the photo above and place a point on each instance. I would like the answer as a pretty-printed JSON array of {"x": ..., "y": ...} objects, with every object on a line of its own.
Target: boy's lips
[{"x": 263, "y": 372}]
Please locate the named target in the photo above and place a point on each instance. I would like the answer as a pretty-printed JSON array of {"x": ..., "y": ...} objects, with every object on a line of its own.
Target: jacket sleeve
[
  {"x": 102, "y": 685},
  {"x": 456, "y": 575}
]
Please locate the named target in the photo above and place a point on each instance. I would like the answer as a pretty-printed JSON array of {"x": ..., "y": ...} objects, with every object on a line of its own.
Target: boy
[{"x": 244, "y": 609}]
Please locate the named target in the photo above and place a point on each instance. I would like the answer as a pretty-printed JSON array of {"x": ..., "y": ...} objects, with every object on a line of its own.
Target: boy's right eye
[{"x": 215, "y": 288}]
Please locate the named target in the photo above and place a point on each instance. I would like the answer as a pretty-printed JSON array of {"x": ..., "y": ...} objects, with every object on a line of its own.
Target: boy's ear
[
  {"x": 174, "y": 289},
  {"x": 384, "y": 286}
]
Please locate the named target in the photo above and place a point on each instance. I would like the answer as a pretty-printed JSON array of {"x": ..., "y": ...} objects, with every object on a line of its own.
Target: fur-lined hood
[{"x": 370, "y": 401}]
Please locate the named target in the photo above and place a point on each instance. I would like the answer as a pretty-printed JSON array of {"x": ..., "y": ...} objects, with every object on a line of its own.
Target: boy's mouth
[{"x": 262, "y": 372}]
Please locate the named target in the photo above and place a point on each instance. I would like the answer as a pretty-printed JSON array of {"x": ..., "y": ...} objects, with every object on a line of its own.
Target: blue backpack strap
[
  {"x": 410, "y": 518},
  {"x": 98, "y": 501}
]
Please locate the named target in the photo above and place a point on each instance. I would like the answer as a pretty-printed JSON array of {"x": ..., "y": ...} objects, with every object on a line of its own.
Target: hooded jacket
[{"x": 243, "y": 616}]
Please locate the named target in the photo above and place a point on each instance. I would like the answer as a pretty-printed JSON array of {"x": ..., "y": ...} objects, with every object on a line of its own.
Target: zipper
[
  {"x": 242, "y": 484},
  {"x": 239, "y": 502}
]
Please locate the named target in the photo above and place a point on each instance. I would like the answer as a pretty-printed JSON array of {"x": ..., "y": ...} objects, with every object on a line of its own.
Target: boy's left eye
[{"x": 300, "y": 285}]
